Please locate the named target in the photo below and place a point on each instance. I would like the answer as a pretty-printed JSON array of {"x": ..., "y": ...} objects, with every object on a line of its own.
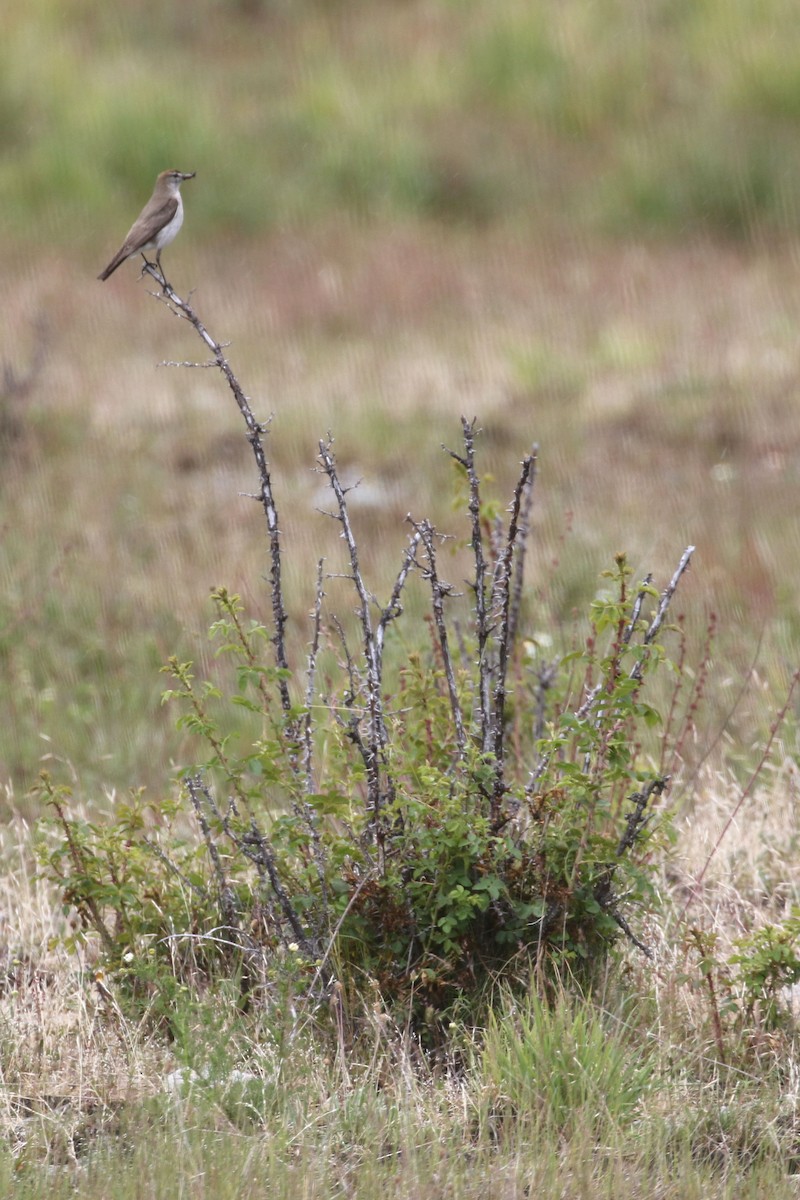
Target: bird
[{"x": 157, "y": 224}]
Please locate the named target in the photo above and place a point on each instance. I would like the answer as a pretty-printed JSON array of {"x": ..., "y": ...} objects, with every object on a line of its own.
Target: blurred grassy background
[
  {"x": 671, "y": 115},
  {"x": 577, "y": 221}
]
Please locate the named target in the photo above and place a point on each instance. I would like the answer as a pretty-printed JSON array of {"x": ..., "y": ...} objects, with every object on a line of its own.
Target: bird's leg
[
  {"x": 147, "y": 263},
  {"x": 160, "y": 268}
]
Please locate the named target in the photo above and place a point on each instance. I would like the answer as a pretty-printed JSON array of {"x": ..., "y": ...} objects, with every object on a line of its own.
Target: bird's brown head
[{"x": 174, "y": 179}]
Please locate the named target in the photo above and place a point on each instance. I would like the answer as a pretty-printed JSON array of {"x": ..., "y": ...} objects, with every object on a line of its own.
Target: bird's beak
[{"x": 188, "y": 174}]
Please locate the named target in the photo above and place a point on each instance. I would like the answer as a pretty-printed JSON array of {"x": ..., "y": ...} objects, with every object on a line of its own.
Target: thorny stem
[
  {"x": 197, "y": 790},
  {"x": 350, "y": 726},
  {"x": 481, "y": 614},
  {"x": 634, "y": 826},
  {"x": 310, "y": 678},
  {"x": 503, "y": 591},
  {"x": 665, "y": 601},
  {"x": 498, "y": 584},
  {"x": 636, "y": 611},
  {"x": 255, "y": 432},
  {"x": 189, "y": 884},
  {"x": 394, "y": 608},
  {"x": 522, "y": 546},
  {"x": 256, "y": 847},
  {"x": 372, "y": 749},
  {"x": 377, "y": 739},
  {"x": 309, "y": 816},
  {"x": 349, "y": 665},
  {"x": 439, "y": 590}
]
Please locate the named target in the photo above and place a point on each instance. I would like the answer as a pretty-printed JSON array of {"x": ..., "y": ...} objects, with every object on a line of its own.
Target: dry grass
[
  {"x": 87, "y": 1104},
  {"x": 70, "y": 1065}
]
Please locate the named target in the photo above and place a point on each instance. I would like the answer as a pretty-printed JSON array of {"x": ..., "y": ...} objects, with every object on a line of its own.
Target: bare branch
[
  {"x": 439, "y": 590},
  {"x": 308, "y": 815},
  {"x": 352, "y": 674},
  {"x": 637, "y": 818},
  {"x": 636, "y": 611},
  {"x": 377, "y": 737},
  {"x": 256, "y": 847},
  {"x": 227, "y": 901},
  {"x": 503, "y": 603},
  {"x": 310, "y": 677},
  {"x": 667, "y": 594},
  {"x": 651, "y": 632},
  {"x": 394, "y": 609},
  {"x": 661, "y": 612},
  {"x": 482, "y": 629},
  {"x": 522, "y": 545},
  {"x": 636, "y": 821},
  {"x": 200, "y": 366},
  {"x": 255, "y": 434}
]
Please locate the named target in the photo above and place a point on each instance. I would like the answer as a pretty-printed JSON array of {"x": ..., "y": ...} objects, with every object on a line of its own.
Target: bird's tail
[{"x": 116, "y": 261}]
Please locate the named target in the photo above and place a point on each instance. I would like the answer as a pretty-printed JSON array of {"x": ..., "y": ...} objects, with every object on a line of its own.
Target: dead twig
[
  {"x": 255, "y": 436},
  {"x": 439, "y": 591},
  {"x": 482, "y": 626}
]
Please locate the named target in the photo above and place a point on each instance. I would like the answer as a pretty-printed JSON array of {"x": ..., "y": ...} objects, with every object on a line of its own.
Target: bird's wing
[{"x": 146, "y": 227}]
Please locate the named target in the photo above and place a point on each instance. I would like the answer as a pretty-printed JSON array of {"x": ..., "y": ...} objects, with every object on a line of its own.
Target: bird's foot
[{"x": 154, "y": 268}]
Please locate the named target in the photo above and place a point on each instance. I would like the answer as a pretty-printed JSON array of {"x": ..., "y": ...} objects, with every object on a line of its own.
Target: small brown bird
[{"x": 158, "y": 222}]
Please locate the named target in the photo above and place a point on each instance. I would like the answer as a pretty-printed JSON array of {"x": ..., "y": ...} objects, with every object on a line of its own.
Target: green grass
[{"x": 562, "y": 1067}]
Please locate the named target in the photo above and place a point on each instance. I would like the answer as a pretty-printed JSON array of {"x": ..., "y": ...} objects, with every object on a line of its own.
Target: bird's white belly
[{"x": 169, "y": 232}]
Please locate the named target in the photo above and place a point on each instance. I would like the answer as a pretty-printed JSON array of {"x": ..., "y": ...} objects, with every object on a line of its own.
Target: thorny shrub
[
  {"x": 424, "y": 822},
  {"x": 406, "y": 826}
]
